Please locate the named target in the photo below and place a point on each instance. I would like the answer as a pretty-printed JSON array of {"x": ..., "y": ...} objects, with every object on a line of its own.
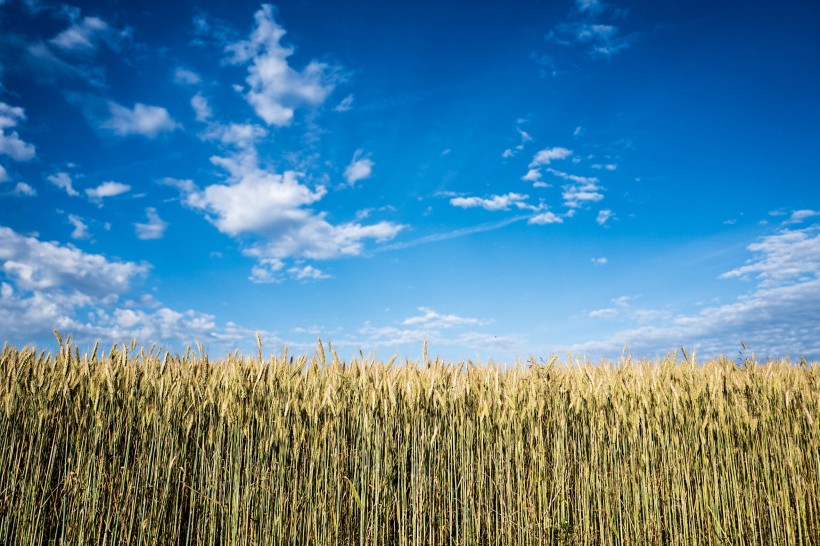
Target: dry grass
[{"x": 144, "y": 448}]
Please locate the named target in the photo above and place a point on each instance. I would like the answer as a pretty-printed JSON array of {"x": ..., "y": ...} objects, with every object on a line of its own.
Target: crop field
[{"x": 132, "y": 446}]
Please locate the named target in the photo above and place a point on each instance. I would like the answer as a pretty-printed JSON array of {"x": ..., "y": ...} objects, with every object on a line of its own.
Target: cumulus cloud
[
  {"x": 273, "y": 207},
  {"x": 10, "y": 142},
  {"x": 63, "y": 180},
  {"x": 276, "y": 88},
  {"x": 307, "y": 272},
  {"x": 582, "y": 193},
  {"x": 48, "y": 285},
  {"x": 548, "y": 155},
  {"x": 359, "y": 168},
  {"x": 600, "y": 261},
  {"x": 107, "y": 189},
  {"x": 154, "y": 228},
  {"x": 493, "y": 203},
  {"x": 4, "y": 176},
  {"x": 148, "y": 121},
  {"x": 36, "y": 265},
  {"x": 545, "y": 218}
]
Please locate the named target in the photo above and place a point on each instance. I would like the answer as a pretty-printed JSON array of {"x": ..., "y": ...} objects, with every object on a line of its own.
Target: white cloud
[
  {"x": 186, "y": 77},
  {"x": 10, "y": 143},
  {"x": 154, "y": 228},
  {"x": 21, "y": 189},
  {"x": 584, "y": 180},
  {"x": 307, "y": 272},
  {"x": 148, "y": 121},
  {"x": 600, "y": 261},
  {"x": 83, "y": 34},
  {"x": 35, "y": 265},
  {"x": 438, "y": 330},
  {"x": 107, "y": 189},
  {"x": 276, "y": 89},
  {"x": 241, "y": 135},
  {"x": 601, "y": 40},
  {"x": 272, "y": 206},
  {"x": 185, "y": 186},
  {"x": 604, "y": 216},
  {"x": 798, "y": 216},
  {"x": 779, "y": 316},
  {"x": 346, "y": 105},
  {"x": 508, "y": 153},
  {"x": 493, "y": 203},
  {"x": 46, "y": 285},
  {"x": 787, "y": 256},
  {"x": 4, "y": 176},
  {"x": 533, "y": 175},
  {"x": 63, "y": 180},
  {"x": 545, "y": 218},
  {"x": 431, "y": 319},
  {"x": 585, "y": 190},
  {"x": 255, "y": 200},
  {"x": 201, "y": 107},
  {"x": 359, "y": 168},
  {"x": 606, "y": 313},
  {"x": 608, "y": 166},
  {"x": 548, "y": 155},
  {"x": 266, "y": 271},
  {"x": 80, "y": 230}
]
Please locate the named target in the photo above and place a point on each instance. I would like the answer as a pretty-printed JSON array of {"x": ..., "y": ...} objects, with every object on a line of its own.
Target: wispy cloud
[
  {"x": 346, "y": 105},
  {"x": 780, "y": 315},
  {"x": 360, "y": 168},
  {"x": 588, "y": 28}
]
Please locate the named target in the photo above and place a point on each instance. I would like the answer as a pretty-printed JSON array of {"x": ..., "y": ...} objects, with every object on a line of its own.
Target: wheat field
[{"x": 143, "y": 447}]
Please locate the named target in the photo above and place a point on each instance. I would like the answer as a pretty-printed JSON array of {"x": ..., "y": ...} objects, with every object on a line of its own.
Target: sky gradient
[{"x": 502, "y": 180}]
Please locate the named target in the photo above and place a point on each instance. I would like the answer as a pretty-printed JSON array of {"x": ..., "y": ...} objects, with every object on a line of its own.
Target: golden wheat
[{"x": 144, "y": 448}]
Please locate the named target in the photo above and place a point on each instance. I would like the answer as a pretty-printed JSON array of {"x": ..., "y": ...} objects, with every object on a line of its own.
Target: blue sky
[{"x": 501, "y": 179}]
